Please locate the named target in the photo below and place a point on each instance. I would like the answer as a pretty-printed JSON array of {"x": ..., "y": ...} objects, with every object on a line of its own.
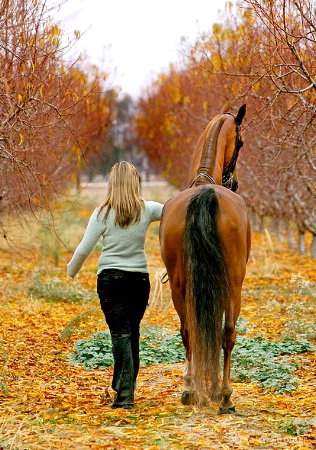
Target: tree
[{"x": 51, "y": 114}]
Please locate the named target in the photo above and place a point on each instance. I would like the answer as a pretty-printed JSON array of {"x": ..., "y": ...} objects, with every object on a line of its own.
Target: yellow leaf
[
  {"x": 73, "y": 94},
  {"x": 55, "y": 30},
  {"x": 21, "y": 139}
]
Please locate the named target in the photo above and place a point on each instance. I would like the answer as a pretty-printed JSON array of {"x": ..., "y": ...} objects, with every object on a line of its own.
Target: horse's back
[{"x": 233, "y": 226}]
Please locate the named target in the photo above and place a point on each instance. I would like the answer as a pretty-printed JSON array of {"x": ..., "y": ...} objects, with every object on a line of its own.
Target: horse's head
[
  {"x": 229, "y": 176},
  {"x": 215, "y": 157}
]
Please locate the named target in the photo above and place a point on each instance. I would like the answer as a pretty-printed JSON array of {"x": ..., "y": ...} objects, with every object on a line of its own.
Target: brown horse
[{"x": 205, "y": 244}]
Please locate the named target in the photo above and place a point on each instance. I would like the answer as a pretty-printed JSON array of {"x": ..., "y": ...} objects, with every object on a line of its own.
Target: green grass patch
[
  {"x": 155, "y": 348},
  {"x": 254, "y": 360},
  {"x": 268, "y": 363},
  {"x": 297, "y": 426}
]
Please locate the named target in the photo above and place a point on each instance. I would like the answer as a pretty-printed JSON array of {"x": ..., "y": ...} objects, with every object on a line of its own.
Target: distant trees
[
  {"x": 119, "y": 143},
  {"x": 264, "y": 54},
  {"x": 52, "y": 115}
]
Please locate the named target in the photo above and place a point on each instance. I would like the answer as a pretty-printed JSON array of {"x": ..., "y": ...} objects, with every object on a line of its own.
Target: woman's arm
[{"x": 91, "y": 236}]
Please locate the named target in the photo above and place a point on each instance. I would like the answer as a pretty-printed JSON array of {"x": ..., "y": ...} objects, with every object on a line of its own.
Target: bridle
[
  {"x": 228, "y": 179},
  {"x": 205, "y": 175}
]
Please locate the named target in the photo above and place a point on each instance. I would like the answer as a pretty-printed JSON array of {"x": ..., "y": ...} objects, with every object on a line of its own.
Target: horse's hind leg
[
  {"x": 226, "y": 405},
  {"x": 188, "y": 396},
  {"x": 229, "y": 337}
]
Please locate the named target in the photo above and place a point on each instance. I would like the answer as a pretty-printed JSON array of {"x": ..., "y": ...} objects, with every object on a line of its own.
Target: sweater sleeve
[
  {"x": 94, "y": 230},
  {"x": 156, "y": 210}
]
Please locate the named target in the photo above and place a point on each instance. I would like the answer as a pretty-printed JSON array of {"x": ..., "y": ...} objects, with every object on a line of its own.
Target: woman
[{"x": 123, "y": 281}]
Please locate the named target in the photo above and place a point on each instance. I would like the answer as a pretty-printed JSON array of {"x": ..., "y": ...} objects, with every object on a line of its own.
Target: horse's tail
[{"x": 207, "y": 286}]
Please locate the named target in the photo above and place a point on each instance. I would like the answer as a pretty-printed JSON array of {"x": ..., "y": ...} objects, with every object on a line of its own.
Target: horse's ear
[
  {"x": 241, "y": 114},
  {"x": 226, "y": 107}
]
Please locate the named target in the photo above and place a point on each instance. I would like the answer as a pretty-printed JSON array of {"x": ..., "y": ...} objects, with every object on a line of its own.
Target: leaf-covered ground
[{"x": 46, "y": 403}]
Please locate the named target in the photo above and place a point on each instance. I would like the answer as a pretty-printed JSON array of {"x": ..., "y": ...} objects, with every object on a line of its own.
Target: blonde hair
[{"x": 123, "y": 195}]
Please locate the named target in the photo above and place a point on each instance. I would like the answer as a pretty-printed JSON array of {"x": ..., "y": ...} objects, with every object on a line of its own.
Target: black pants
[{"x": 123, "y": 298}]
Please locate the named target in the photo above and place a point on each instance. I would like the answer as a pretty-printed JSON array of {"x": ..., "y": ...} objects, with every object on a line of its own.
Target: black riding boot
[{"x": 123, "y": 377}]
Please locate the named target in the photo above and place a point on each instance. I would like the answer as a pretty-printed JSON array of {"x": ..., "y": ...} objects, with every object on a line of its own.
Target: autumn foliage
[{"x": 54, "y": 112}]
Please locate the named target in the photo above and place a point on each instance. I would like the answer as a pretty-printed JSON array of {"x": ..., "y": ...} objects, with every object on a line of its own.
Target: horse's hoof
[
  {"x": 231, "y": 410},
  {"x": 189, "y": 398}
]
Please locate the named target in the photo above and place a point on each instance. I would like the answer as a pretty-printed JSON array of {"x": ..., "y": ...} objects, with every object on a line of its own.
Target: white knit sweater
[{"x": 122, "y": 248}]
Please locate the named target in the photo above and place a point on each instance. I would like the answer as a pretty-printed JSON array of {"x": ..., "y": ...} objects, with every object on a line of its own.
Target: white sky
[{"x": 141, "y": 36}]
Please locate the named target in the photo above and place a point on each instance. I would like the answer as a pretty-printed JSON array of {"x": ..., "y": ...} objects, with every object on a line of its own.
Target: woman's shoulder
[{"x": 98, "y": 214}]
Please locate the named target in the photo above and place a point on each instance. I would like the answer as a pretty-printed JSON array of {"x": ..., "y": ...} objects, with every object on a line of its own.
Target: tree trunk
[
  {"x": 274, "y": 226},
  {"x": 301, "y": 243},
  {"x": 313, "y": 247},
  {"x": 281, "y": 229},
  {"x": 290, "y": 235},
  {"x": 261, "y": 223},
  {"x": 257, "y": 221},
  {"x": 254, "y": 220}
]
